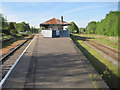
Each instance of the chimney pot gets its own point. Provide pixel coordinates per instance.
(61, 18)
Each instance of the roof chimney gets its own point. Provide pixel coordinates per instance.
(61, 18)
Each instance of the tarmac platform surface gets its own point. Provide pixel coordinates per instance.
(51, 63)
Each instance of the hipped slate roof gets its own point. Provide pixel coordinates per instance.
(54, 21)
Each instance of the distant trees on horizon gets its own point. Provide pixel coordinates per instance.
(11, 29)
(108, 26)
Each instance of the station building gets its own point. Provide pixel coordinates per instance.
(54, 28)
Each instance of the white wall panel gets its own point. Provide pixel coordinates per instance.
(46, 33)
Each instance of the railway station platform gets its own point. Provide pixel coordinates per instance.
(53, 63)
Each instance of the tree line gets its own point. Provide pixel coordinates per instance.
(14, 29)
(108, 26)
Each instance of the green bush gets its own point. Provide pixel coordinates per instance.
(73, 28)
(82, 30)
(13, 32)
(6, 31)
(23, 34)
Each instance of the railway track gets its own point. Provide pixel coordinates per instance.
(9, 59)
(113, 50)
(107, 50)
(109, 53)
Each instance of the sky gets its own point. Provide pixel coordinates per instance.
(35, 13)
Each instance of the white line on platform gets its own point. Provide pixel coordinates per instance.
(8, 73)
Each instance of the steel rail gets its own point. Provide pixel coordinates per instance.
(3, 59)
(10, 70)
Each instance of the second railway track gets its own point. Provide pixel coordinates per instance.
(108, 51)
(109, 54)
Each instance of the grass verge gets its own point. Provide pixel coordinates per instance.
(14, 39)
(106, 40)
(7, 43)
(108, 72)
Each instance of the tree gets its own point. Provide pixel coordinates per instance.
(27, 27)
(11, 26)
(91, 27)
(13, 32)
(82, 30)
(110, 24)
(3, 24)
(34, 30)
(18, 27)
(22, 27)
(12, 29)
(73, 28)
